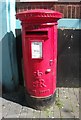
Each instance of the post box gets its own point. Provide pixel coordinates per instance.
(39, 45)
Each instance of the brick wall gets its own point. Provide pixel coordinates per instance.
(69, 10)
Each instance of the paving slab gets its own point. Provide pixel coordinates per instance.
(47, 113)
(76, 93)
(5, 107)
(44, 114)
(66, 106)
(56, 112)
(70, 102)
(14, 110)
(36, 113)
(0, 108)
(29, 113)
(74, 103)
(23, 112)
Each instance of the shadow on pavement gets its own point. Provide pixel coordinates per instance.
(18, 96)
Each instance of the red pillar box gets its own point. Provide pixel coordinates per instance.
(39, 43)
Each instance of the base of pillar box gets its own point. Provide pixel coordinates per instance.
(40, 103)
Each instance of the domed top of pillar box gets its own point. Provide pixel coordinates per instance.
(39, 16)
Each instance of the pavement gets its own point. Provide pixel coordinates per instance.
(66, 105)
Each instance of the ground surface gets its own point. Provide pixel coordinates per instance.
(66, 105)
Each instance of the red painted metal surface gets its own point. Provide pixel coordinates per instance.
(39, 16)
(39, 43)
